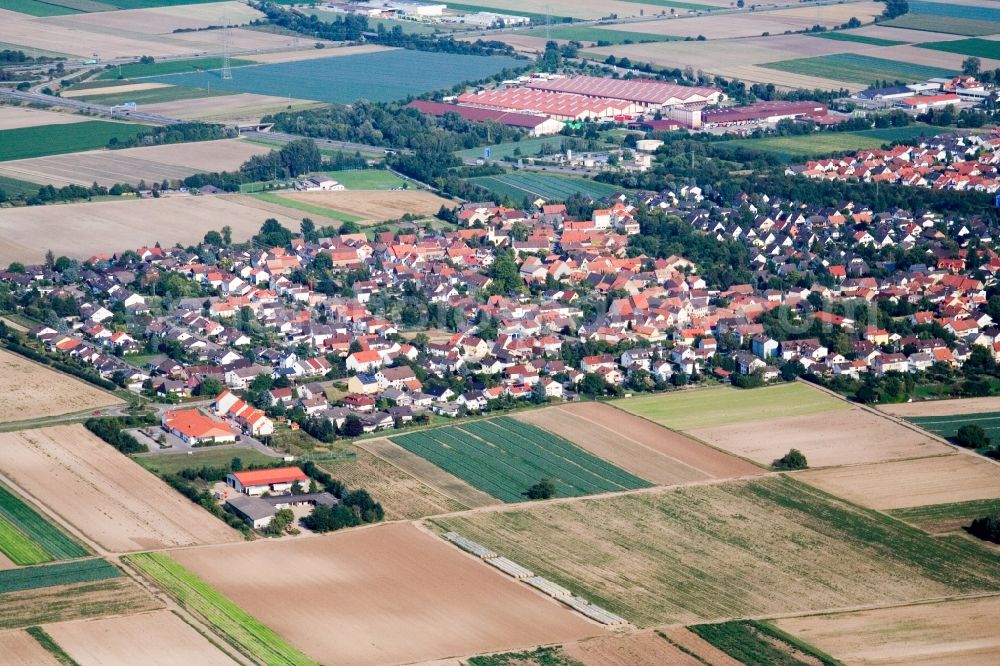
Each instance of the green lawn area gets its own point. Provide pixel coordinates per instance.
(596, 34)
(367, 179)
(981, 48)
(949, 25)
(171, 463)
(943, 518)
(821, 144)
(855, 68)
(308, 208)
(139, 70)
(24, 142)
(722, 405)
(860, 39)
(154, 95)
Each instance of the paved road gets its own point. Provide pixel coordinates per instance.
(78, 105)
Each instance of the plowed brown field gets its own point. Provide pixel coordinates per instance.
(383, 595)
(29, 390)
(18, 648)
(944, 407)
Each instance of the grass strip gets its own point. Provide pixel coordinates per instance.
(240, 629)
(50, 645)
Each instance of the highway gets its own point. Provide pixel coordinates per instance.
(77, 105)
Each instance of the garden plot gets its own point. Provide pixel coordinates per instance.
(85, 229)
(152, 639)
(412, 597)
(505, 457)
(102, 493)
(954, 632)
(31, 390)
(711, 552)
(15, 117)
(637, 445)
(910, 483)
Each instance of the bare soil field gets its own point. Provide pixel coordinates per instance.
(30, 391)
(20, 649)
(160, 20)
(374, 206)
(243, 108)
(854, 436)
(105, 495)
(957, 633)
(114, 89)
(694, 643)
(14, 117)
(944, 407)
(311, 53)
(430, 475)
(383, 595)
(85, 229)
(119, 596)
(637, 445)
(403, 496)
(5, 563)
(645, 648)
(152, 639)
(716, 551)
(907, 483)
(132, 165)
(904, 35)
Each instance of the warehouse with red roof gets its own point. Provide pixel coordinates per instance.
(646, 94)
(535, 125)
(279, 480)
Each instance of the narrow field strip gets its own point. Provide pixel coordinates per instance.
(18, 548)
(240, 628)
(38, 529)
(50, 575)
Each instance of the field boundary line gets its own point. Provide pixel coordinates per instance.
(410, 474)
(58, 518)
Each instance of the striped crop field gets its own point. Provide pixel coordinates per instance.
(517, 186)
(504, 458)
(951, 25)
(980, 48)
(980, 12)
(50, 575)
(855, 68)
(26, 537)
(947, 426)
(240, 629)
(858, 39)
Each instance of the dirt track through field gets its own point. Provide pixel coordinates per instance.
(637, 445)
(29, 390)
(909, 483)
(150, 639)
(109, 498)
(387, 594)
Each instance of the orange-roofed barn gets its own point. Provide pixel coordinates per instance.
(195, 428)
(279, 480)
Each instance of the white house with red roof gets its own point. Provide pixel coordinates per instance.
(276, 481)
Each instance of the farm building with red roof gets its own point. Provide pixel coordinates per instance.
(274, 481)
(195, 428)
(536, 125)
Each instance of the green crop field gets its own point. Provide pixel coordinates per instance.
(860, 39)
(504, 457)
(947, 426)
(517, 186)
(821, 144)
(13, 187)
(367, 179)
(50, 575)
(240, 628)
(855, 68)
(37, 7)
(136, 70)
(24, 142)
(687, 410)
(943, 518)
(24, 520)
(981, 48)
(761, 644)
(697, 554)
(148, 4)
(330, 213)
(18, 548)
(980, 12)
(378, 77)
(945, 24)
(153, 95)
(595, 34)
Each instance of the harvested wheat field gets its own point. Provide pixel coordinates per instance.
(715, 551)
(646, 648)
(152, 639)
(118, 596)
(944, 407)
(656, 454)
(908, 483)
(853, 436)
(106, 496)
(114, 89)
(432, 476)
(30, 391)
(383, 595)
(374, 206)
(956, 633)
(85, 229)
(403, 496)
(242, 108)
(160, 20)
(311, 53)
(15, 117)
(131, 165)
(19, 648)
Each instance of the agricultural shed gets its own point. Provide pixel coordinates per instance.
(258, 482)
(646, 94)
(195, 428)
(259, 511)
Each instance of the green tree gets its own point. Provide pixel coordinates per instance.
(544, 489)
(972, 436)
(794, 459)
(971, 66)
(272, 234)
(986, 528)
(505, 274)
(210, 387)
